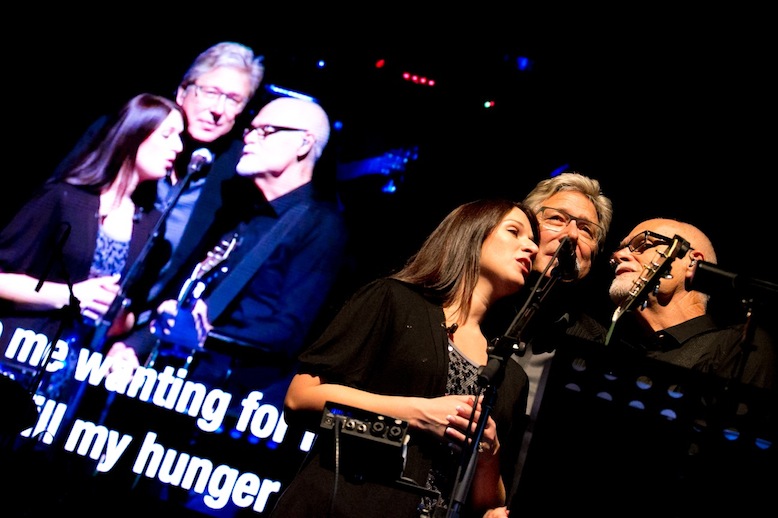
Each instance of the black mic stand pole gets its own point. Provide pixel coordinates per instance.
(491, 376)
(709, 278)
(104, 324)
(70, 313)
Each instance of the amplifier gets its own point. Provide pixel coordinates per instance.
(370, 445)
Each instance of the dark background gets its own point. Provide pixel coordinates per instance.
(672, 111)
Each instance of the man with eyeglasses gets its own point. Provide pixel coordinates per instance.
(214, 92)
(672, 322)
(568, 205)
(712, 458)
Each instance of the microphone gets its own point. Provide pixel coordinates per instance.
(201, 158)
(709, 278)
(566, 267)
(450, 329)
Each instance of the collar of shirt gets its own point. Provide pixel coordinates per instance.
(677, 335)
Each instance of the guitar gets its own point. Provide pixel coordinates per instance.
(394, 160)
(180, 331)
(649, 280)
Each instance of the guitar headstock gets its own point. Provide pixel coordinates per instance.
(395, 160)
(201, 274)
(392, 161)
(215, 257)
(649, 279)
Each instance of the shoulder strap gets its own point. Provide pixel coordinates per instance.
(229, 287)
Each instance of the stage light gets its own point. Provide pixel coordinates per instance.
(523, 63)
(419, 80)
(389, 187)
(285, 92)
(559, 170)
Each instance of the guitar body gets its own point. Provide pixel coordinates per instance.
(178, 331)
(178, 334)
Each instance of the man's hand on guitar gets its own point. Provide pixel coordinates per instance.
(179, 325)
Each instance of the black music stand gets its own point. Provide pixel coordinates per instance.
(622, 435)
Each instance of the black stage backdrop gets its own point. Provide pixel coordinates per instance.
(667, 109)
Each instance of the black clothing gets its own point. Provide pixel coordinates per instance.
(389, 339)
(226, 150)
(620, 433)
(255, 339)
(560, 313)
(701, 345)
(31, 241)
(35, 243)
(226, 155)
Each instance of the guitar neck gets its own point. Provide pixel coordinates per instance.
(205, 272)
(185, 299)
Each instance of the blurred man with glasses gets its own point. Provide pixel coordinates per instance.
(273, 253)
(214, 92)
(288, 250)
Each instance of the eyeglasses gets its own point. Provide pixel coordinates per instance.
(265, 130)
(214, 95)
(556, 220)
(645, 240)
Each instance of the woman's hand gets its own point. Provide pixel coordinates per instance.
(95, 295)
(457, 430)
(443, 416)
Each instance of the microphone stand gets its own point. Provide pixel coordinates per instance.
(121, 301)
(492, 374)
(69, 313)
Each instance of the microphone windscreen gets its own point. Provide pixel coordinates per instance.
(202, 155)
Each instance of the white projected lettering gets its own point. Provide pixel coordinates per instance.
(220, 484)
(156, 445)
(28, 346)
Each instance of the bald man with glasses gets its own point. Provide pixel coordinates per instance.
(284, 238)
(672, 323)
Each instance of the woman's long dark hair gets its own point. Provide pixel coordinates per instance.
(118, 143)
(449, 260)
